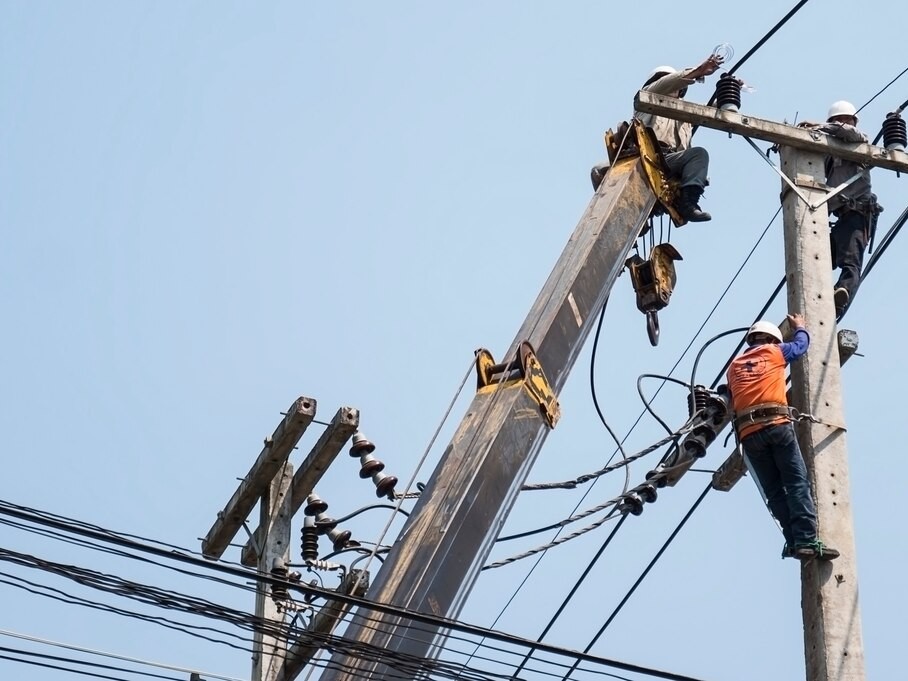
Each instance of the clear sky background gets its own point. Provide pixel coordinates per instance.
(209, 209)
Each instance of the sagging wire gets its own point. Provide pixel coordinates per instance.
(693, 372)
(673, 436)
(647, 403)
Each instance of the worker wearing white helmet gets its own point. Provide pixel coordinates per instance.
(689, 164)
(756, 381)
(855, 208)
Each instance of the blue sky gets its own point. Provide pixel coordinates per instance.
(209, 209)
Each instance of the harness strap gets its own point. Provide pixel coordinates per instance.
(761, 413)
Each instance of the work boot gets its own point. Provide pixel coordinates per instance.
(688, 208)
(815, 549)
(840, 297)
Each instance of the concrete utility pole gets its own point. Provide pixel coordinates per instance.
(833, 645)
(829, 590)
(271, 483)
(268, 651)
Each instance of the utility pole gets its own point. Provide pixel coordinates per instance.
(272, 484)
(829, 590)
(269, 651)
(833, 645)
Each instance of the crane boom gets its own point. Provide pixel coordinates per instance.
(441, 549)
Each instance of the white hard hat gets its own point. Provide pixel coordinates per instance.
(664, 70)
(768, 328)
(841, 108)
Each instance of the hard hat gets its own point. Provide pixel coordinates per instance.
(664, 70)
(768, 328)
(842, 108)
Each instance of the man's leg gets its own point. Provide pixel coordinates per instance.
(849, 236)
(597, 174)
(692, 167)
(759, 454)
(793, 473)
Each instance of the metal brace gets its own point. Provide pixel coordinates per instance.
(812, 207)
(255, 545)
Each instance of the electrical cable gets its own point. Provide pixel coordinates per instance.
(47, 665)
(693, 372)
(645, 572)
(885, 87)
(417, 617)
(357, 512)
(73, 660)
(646, 403)
(573, 591)
(114, 656)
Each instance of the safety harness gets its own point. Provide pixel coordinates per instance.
(869, 207)
(761, 413)
(770, 411)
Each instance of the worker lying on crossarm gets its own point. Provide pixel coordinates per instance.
(756, 380)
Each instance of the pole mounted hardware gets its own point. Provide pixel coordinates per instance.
(526, 368)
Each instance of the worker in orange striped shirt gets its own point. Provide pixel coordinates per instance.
(756, 380)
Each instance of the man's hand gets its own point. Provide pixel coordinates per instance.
(708, 67)
(809, 124)
(796, 320)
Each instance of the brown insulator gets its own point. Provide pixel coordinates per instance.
(324, 524)
(361, 445)
(384, 485)
(341, 539)
(315, 505)
(370, 466)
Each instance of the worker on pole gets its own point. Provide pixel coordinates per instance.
(855, 208)
(762, 421)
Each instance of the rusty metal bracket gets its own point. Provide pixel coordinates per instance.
(525, 368)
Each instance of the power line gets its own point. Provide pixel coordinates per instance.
(649, 567)
(334, 642)
(114, 656)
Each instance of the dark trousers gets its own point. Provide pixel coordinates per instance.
(690, 165)
(849, 240)
(776, 461)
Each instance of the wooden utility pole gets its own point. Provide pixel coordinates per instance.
(829, 590)
(833, 645)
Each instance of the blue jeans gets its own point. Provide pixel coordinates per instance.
(776, 461)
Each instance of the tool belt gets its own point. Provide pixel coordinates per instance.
(865, 205)
(761, 413)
